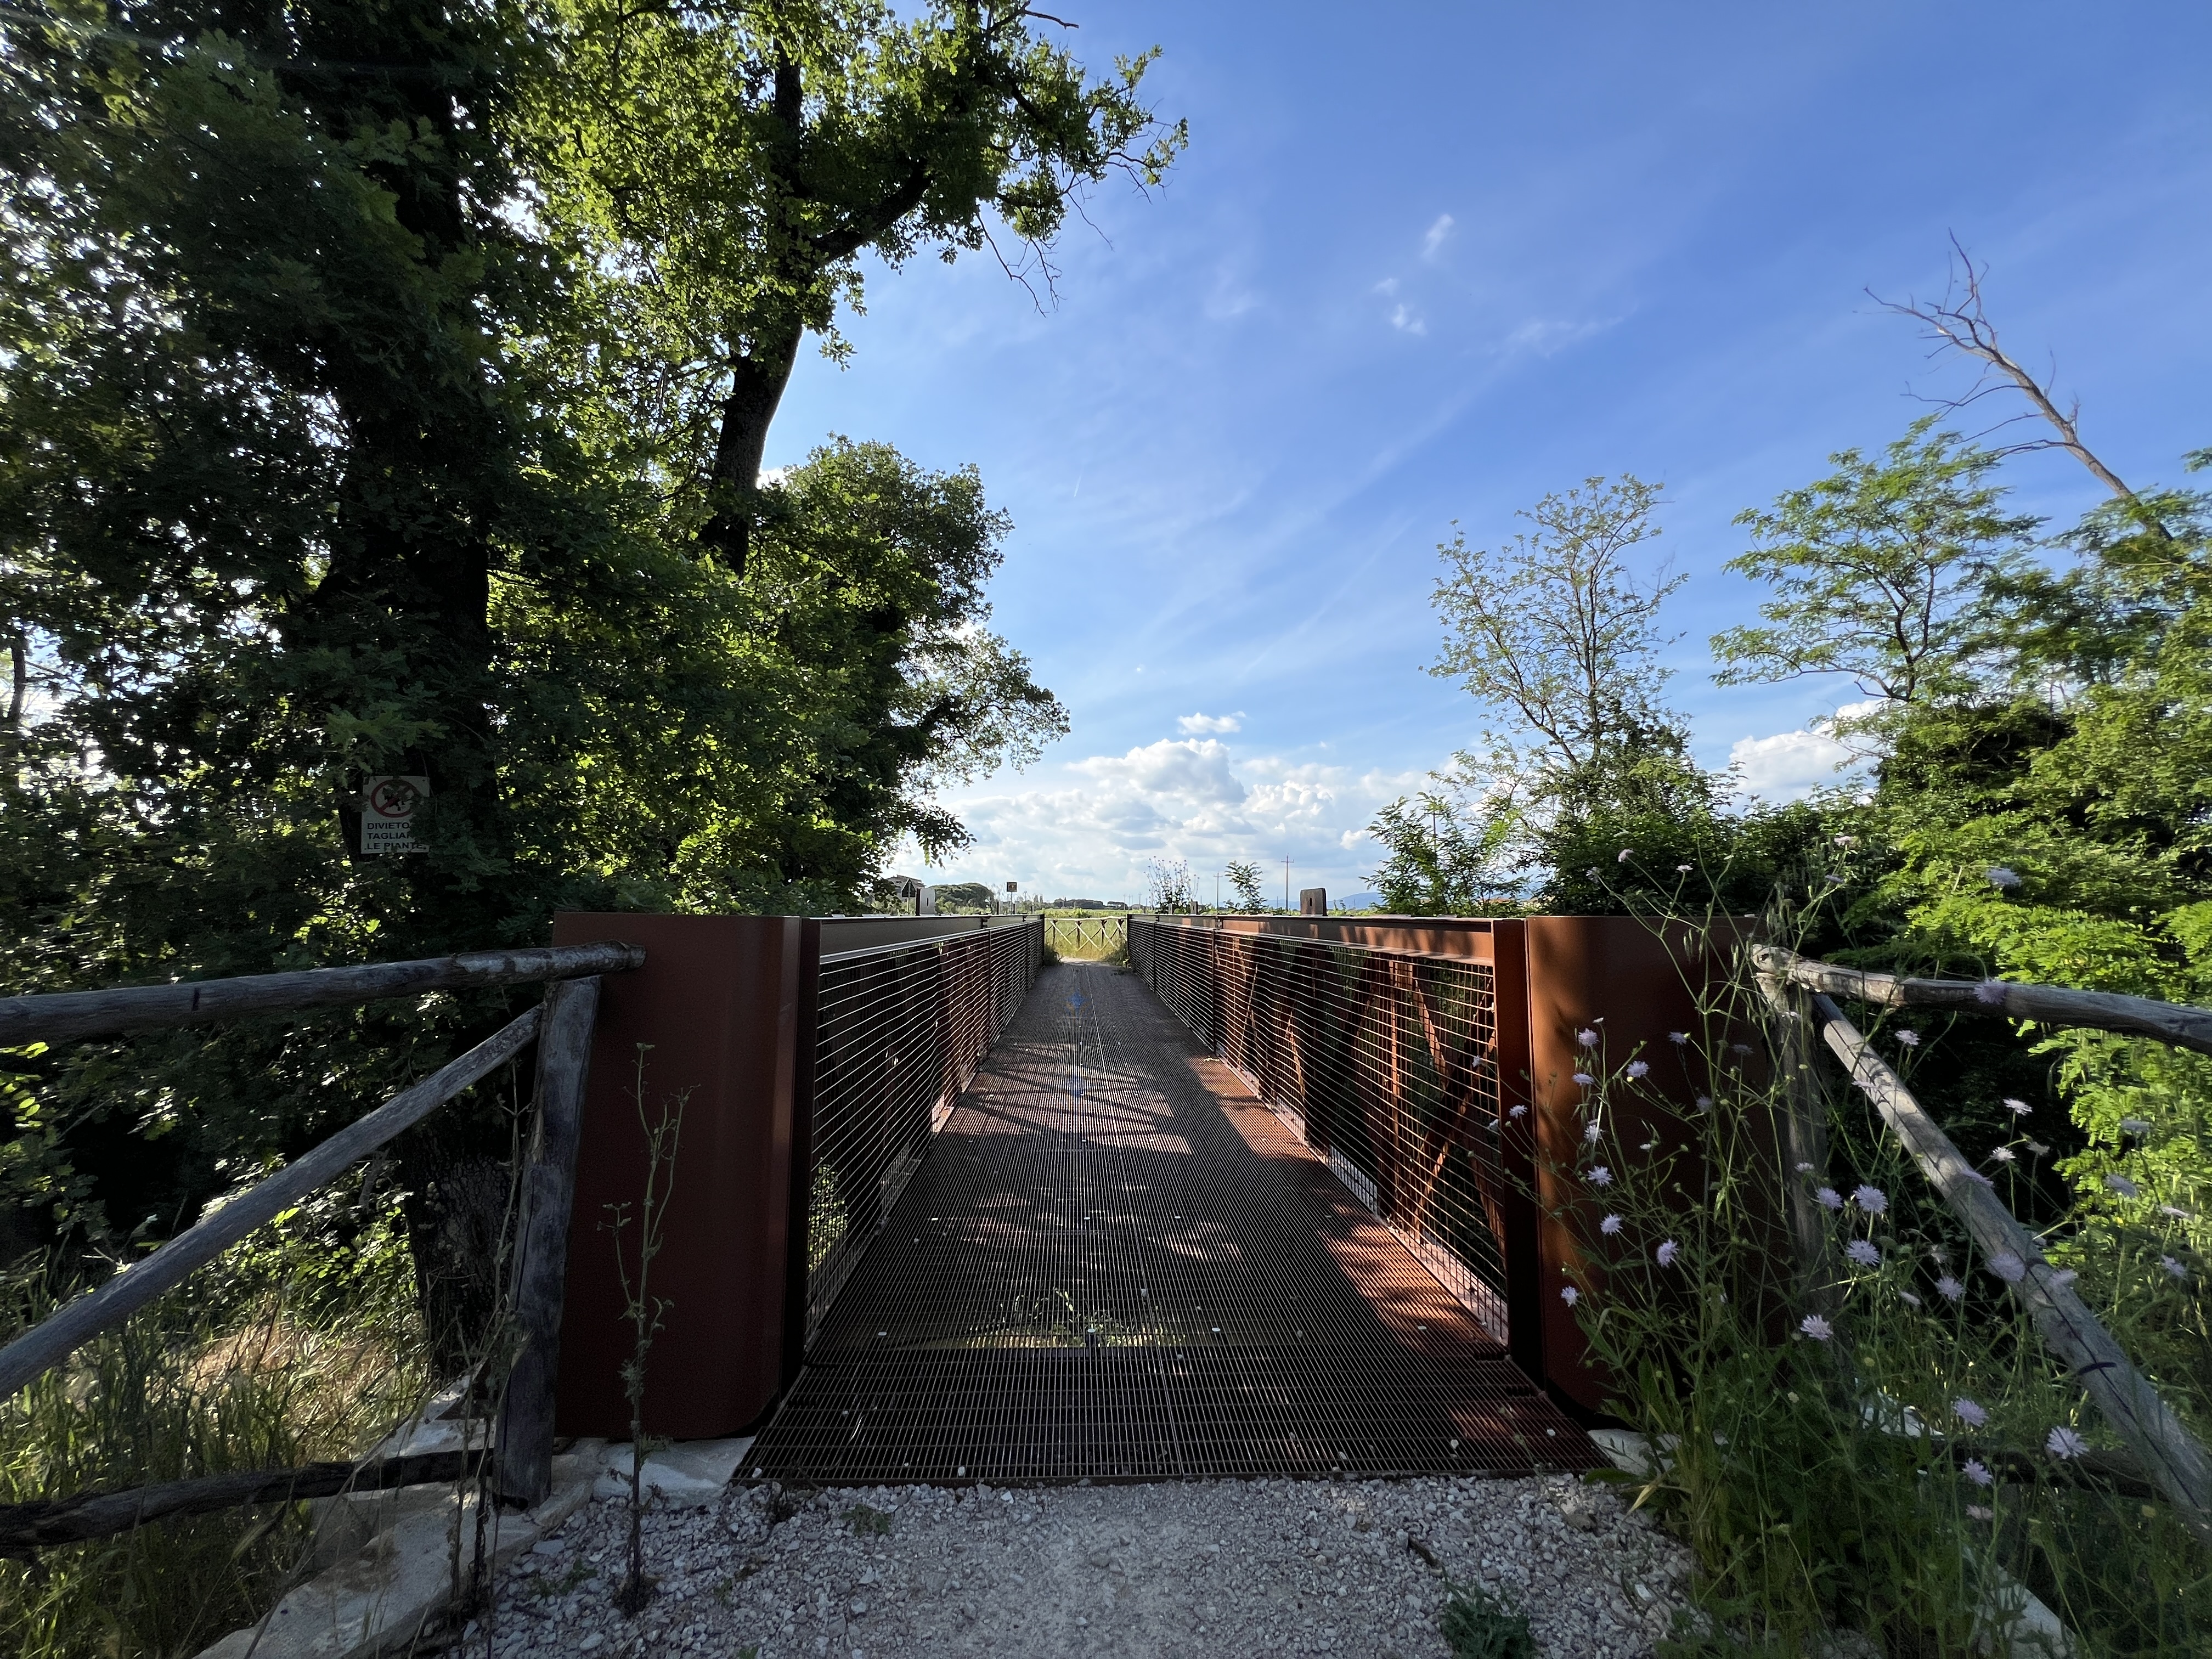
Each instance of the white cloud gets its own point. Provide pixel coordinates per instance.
(1203, 725)
(1405, 317)
(1089, 831)
(1437, 233)
(1788, 765)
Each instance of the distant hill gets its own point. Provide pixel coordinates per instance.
(1358, 901)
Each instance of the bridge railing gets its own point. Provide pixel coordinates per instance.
(900, 1030)
(1381, 1053)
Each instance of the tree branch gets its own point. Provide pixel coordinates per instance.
(1960, 320)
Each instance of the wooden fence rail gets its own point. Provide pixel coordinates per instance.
(63, 1015)
(2170, 1454)
(561, 1026)
(2047, 1004)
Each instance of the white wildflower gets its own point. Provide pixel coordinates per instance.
(1829, 1198)
(2063, 1442)
(2007, 1266)
(1816, 1328)
(1970, 1413)
(1950, 1288)
(2120, 1184)
(1610, 1225)
(1870, 1200)
(1667, 1252)
(1864, 1252)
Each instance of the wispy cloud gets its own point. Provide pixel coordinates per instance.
(1198, 725)
(1405, 317)
(1438, 233)
(1545, 335)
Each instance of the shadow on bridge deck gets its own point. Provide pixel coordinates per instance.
(1115, 1263)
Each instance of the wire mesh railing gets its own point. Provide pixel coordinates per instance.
(1383, 1061)
(899, 1031)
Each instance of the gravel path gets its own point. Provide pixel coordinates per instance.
(1264, 1568)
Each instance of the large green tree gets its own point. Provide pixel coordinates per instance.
(338, 439)
(723, 168)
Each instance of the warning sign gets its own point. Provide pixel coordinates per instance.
(387, 813)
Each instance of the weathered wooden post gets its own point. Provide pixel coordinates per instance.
(541, 1257)
(1801, 1133)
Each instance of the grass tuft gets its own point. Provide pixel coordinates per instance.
(1479, 1623)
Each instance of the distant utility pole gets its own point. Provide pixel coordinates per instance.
(1217, 890)
(1286, 884)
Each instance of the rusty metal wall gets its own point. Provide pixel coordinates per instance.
(1385, 1060)
(706, 1032)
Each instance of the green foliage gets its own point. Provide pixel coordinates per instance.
(964, 895)
(1646, 828)
(1882, 572)
(321, 460)
(1244, 882)
(1479, 1623)
(300, 1344)
(1553, 636)
(1169, 885)
(867, 1522)
(1809, 1440)
(1447, 855)
(721, 170)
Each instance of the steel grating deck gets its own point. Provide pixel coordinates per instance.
(1115, 1264)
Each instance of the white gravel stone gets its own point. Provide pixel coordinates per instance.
(1274, 1568)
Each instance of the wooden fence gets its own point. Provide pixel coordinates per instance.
(1801, 991)
(561, 1026)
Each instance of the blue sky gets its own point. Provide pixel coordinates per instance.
(1426, 262)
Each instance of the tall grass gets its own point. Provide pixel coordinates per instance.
(301, 1343)
(1875, 1440)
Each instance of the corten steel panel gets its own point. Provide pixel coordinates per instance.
(1466, 937)
(1620, 976)
(719, 1001)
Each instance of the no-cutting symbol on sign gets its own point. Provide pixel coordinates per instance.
(387, 813)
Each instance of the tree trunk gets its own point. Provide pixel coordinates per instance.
(756, 384)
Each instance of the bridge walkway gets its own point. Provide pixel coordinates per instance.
(1116, 1264)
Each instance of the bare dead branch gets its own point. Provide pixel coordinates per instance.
(1960, 322)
